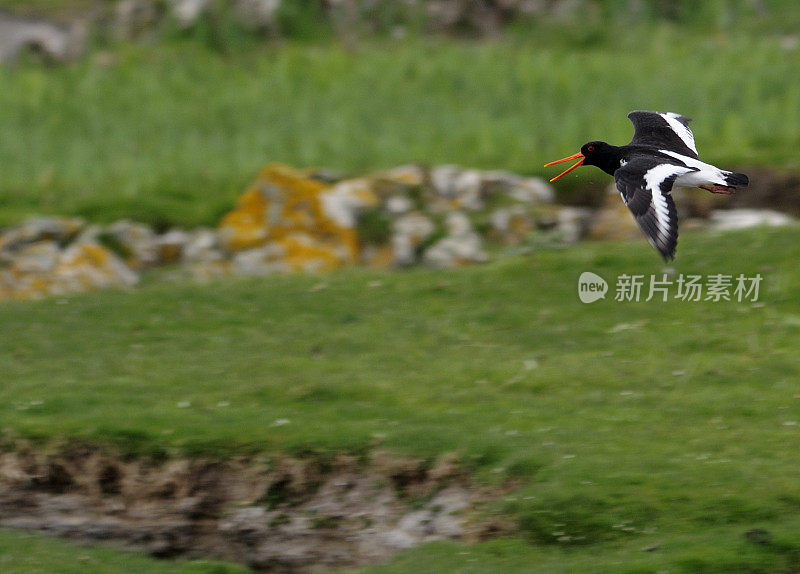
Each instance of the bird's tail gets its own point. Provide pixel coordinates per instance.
(736, 179)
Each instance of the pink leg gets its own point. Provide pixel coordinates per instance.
(723, 189)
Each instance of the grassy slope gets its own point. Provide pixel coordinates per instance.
(22, 553)
(629, 425)
(173, 133)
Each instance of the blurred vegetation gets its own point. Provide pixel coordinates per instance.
(315, 19)
(170, 134)
(169, 129)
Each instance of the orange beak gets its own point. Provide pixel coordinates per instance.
(569, 169)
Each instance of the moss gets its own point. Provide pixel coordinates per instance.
(374, 227)
(112, 242)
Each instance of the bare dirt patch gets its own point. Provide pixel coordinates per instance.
(288, 515)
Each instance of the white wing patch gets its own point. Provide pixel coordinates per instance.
(702, 173)
(681, 130)
(653, 178)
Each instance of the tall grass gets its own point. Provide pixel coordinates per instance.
(172, 134)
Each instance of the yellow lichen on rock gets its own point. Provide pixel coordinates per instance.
(245, 226)
(311, 219)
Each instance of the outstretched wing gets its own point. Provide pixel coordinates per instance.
(645, 184)
(667, 131)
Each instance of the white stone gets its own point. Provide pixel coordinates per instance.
(346, 200)
(745, 218)
(399, 204)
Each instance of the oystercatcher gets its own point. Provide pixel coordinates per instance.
(661, 155)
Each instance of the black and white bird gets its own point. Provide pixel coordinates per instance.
(661, 155)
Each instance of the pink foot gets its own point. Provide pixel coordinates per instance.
(723, 189)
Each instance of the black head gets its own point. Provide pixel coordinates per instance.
(600, 154)
(597, 153)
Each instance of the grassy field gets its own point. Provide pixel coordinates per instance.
(672, 426)
(172, 133)
(22, 553)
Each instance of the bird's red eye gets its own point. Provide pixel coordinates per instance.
(590, 148)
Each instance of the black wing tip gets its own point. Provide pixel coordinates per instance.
(667, 256)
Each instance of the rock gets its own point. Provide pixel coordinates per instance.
(202, 245)
(188, 12)
(58, 229)
(613, 220)
(405, 175)
(533, 190)
(745, 218)
(346, 200)
(246, 226)
(266, 260)
(529, 190)
(462, 245)
(460, 188)
(138, 242)
(304, 252)
(56, 43)
(170, 246)
(511, 225)
(133, 18)
(409, 232)
(312, 220)
(36, 258)
(258, 14)
(398, 205)
(573, 223)
(88, 265)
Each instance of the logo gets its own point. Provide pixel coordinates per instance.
(591, 287)
(713, 287)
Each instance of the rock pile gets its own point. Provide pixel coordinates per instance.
(288, 515)
(53, 42)
(51, 256)
(292, 220)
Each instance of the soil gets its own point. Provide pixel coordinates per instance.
(288, 515)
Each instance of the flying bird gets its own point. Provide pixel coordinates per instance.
(661, 155)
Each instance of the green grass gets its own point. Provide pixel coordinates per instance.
(22, 553)
(172, 133)
(627, 425)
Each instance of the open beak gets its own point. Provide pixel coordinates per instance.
(569, 169)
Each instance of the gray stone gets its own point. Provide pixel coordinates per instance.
(56, 43)
(170, 245)
(398, 205)
(461, 188)
(137, 239)
(346, 200)
(745, 218)
(461, 246)
(187, 12)
(33, 229)
(201, 246)
(133, 18)
(258, 14)
(39, 257)
(533, 190)
(572, 224)
(409, 232)
(265, 260)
